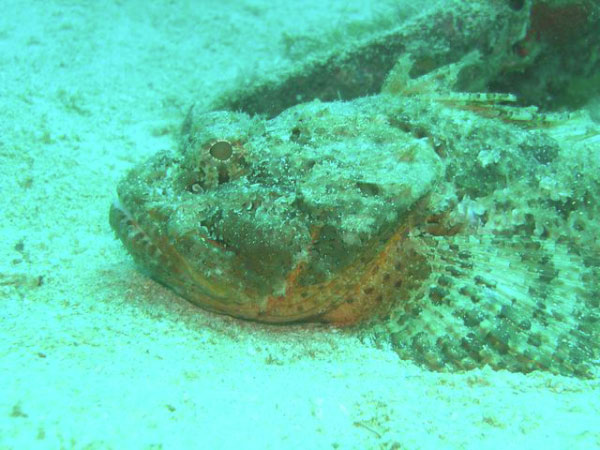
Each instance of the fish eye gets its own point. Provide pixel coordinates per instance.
(221, 150)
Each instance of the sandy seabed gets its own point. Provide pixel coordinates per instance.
(95, 355)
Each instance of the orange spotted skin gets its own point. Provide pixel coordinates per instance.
(414, 215)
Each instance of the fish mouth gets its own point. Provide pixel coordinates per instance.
(222, 292)
(156, 256)
(348, 297)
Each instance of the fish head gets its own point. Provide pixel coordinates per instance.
(296, 218)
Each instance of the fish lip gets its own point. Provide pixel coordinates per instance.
(137, 239)
(161, 262)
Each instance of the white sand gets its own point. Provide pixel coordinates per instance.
(99, 356)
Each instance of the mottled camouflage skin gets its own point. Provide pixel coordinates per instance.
(458, 228)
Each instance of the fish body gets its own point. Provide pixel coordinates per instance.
(417, 213)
